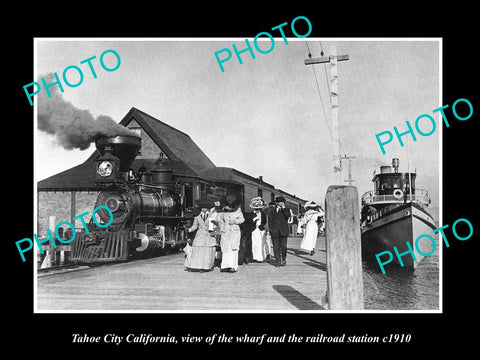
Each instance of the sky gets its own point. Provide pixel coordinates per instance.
(263, 117)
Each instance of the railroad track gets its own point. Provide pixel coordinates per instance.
(58, 269)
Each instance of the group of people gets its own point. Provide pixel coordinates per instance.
(244, 237)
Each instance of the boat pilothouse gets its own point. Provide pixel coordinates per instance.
(394, 213)
(391, 189)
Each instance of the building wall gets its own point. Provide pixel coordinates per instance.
(293, 206)
(84, 202)
(64, 205)
(268, 196)
(149, 149)
(51, 203)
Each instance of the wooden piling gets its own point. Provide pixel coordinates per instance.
(343, 247)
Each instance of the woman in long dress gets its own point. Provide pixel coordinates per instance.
(202, 256)
(259, 245)
(214, 229)
(231, 217)
(309, 223)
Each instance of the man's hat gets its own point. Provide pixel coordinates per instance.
(280, 199)
(204, 203)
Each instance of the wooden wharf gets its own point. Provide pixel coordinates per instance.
(162, 284)
(331, 278)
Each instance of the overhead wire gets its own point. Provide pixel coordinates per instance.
(325, 70)
(320, 94)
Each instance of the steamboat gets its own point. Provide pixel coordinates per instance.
(394, 214)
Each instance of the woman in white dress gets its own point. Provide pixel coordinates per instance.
(259, 245)
(231, 217)
(309, 224)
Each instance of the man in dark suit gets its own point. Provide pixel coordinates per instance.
(245, 254)
(278, 216)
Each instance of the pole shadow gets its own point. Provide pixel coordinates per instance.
(316, 265)
(296, 298)
(311, 262)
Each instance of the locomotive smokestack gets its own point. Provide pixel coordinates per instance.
(124, 147)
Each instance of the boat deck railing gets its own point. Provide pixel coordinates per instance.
(420, 196)
(381, 213)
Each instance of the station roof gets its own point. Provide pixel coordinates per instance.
(80, 177)
(230, 175)
(177, 145)
(185, 157)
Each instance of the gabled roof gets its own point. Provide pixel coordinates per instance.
(185, 157)
(80, 178)
(177, 145)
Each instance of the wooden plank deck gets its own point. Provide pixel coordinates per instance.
(162, 284)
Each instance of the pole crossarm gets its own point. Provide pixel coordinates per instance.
(325, 59)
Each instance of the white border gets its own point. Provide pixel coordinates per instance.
(440, 217)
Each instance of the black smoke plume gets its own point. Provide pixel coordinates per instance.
(73, 128)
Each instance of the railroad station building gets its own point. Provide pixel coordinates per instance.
(67, 194)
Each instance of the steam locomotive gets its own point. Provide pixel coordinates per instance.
(146, 216)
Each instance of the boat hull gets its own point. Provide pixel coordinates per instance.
(405, 223)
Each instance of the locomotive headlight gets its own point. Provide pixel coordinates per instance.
(105, 168)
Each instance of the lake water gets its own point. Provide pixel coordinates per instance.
(401, 288)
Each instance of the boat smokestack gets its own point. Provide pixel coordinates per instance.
(395, 164)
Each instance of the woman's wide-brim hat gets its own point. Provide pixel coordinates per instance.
(310, 205)
(257, 203)
(204, 203)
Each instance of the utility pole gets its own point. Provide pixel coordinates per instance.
(332, 59)
(349, 158)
